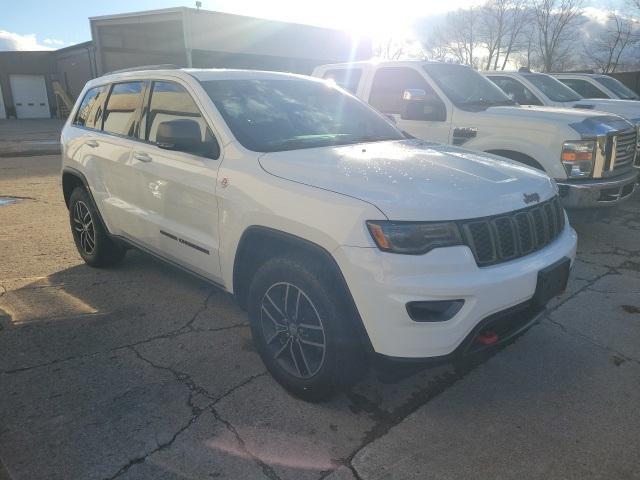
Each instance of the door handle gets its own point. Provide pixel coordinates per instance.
(141, 156)
(91, 143)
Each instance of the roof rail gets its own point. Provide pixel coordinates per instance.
(164, 66)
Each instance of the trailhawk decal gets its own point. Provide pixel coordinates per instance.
(184, 242)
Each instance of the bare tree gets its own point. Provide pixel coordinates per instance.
(519, 16)
(605, 51)
(457, 37)
(492, 25)
(434, 47)
(501, 26)
(556, 22)
(389, 49)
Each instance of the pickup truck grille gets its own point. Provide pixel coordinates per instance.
(513, 235)
(625, 150)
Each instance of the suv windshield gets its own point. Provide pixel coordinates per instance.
(465, 87)
(554, 89)
(271, 115)
(617, 87)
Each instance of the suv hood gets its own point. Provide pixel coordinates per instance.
(629, 109)
(413, 179)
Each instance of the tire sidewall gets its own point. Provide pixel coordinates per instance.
(291, 271)
(79, 195)
(106, 252)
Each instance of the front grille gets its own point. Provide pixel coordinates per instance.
(513, 235)
(625, 149)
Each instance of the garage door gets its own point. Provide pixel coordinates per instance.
(29, 96)
(3, 113)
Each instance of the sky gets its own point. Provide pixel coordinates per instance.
(43, 25)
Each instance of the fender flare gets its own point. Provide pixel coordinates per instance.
(316, 251)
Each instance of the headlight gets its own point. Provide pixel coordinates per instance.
(578, 157)
(413, 238)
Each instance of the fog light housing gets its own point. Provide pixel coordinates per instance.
(434, 311)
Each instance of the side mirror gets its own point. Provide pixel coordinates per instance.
(414, 95)
(420, 106)
(184, 135)
(181, 134)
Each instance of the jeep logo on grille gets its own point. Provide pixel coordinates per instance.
(531, 197)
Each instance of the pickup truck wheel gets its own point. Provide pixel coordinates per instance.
(301, 329)
(93, 243)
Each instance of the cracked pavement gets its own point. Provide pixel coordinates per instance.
(142, 372)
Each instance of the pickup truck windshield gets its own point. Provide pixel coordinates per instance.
(271, 115)
(554, 89)
(465, 87)
(617, 87)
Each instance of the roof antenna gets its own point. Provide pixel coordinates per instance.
(198, 4)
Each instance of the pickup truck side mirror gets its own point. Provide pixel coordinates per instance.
(184, 135)
(417, 105)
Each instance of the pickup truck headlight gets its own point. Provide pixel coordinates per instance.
(578, 158)
(413, 238)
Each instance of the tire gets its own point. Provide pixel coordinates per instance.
(92, 241)
(289, 343)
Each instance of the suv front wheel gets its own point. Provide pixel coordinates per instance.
(301, 328)
(93, 243)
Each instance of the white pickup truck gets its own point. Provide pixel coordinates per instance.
(587, 153)
(528, 88)
(593, 85)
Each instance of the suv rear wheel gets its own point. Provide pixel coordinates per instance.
(302, 330)
(93, 243)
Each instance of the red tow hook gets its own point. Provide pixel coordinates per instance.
(488, 337)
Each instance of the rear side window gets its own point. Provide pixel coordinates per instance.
(584, 88)
(123, 105)
(515, 90)
(389, 85)
(347, 78)
(90, 111)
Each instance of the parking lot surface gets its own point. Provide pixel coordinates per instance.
(144, 372)
(36, 136)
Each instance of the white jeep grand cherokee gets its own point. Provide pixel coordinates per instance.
(338, 235)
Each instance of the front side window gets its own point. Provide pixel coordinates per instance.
(347, 78)
(584, 88)
(172, 107)
(465, 87)
(555, 90)
(269, 115)
(90, 111)
(617, 87)
(515, 90)
(121, 113)
(389, 85)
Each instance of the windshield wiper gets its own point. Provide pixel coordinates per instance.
(371, 138)
(487, 103)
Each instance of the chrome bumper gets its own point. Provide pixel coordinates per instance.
(601, 192)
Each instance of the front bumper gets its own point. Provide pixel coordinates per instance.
(603, 192)
(383, 283)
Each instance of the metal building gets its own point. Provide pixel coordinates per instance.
(44, 84)
(199, 38)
